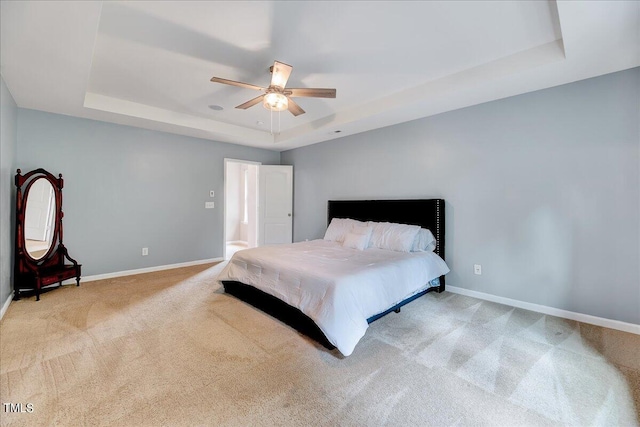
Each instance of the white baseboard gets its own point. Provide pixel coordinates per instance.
(571, 315)
(5, 306)
(580, 317)
(237, 242)
(141, 271)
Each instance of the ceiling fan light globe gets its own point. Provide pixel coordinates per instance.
(275, 102)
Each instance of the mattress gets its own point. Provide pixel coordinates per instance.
(338, 288)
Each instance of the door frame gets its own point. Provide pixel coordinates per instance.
(224, 200)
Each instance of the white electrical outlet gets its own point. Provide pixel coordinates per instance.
(209, 205)
(212, 193)
(477, 269)
(145, 251)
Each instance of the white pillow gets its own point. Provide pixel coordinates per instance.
(356, 241)
(424, 241)
(339, 228)
(362, 229)
(393, 237)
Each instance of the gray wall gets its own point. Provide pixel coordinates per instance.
(128, 188)
(542, 189)
(8, 142)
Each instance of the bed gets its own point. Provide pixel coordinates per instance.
(331, 292)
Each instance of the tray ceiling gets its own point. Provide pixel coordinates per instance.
(148, 64)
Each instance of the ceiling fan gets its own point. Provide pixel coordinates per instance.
(276, 96)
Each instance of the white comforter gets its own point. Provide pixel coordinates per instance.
(337, 287)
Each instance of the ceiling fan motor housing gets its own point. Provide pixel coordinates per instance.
(276, 97)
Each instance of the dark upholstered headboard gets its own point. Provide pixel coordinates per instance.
(427, 213)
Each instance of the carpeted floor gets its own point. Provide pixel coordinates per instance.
(170, 348)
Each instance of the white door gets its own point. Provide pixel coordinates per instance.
(39, 209)
(275, 205)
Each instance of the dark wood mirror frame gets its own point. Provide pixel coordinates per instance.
(33, 274)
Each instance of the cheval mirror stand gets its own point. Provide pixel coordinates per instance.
(40, 253)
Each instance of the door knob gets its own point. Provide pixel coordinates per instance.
(288, 214)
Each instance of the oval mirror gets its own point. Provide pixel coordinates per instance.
(39, 221)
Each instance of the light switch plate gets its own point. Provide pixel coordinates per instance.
(477, 269)
(209, 205)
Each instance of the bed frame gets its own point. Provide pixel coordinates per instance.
(427, 213)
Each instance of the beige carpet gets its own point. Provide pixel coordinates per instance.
(170, 348)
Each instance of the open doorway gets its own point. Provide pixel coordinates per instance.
(240, 206)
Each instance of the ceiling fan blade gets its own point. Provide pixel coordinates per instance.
(280, 74)
(251, 102)
(234, 83)
(312, 92)
(295, 108)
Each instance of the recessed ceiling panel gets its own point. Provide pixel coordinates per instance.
(149, 64)
(162, 54)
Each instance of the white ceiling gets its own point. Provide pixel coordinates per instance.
(148, 64)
